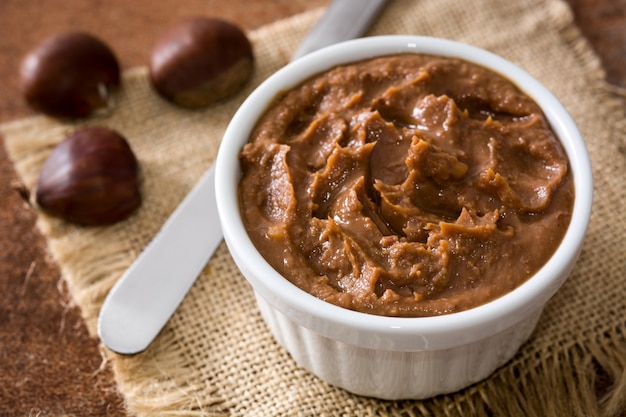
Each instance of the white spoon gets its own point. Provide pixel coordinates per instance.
(146, 296)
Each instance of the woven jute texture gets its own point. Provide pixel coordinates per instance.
(216, 356)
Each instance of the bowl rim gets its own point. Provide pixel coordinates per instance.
(399, 333)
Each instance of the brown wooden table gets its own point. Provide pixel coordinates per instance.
(49, 365)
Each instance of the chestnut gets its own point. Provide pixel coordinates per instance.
(90, 178)
(69, 75)
(199, 61)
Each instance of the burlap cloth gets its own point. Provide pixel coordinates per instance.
(216, 355)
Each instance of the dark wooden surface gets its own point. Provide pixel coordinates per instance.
(49, 365)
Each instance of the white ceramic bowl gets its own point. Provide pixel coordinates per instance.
(389, 357)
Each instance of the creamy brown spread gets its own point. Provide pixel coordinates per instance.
(406, 185)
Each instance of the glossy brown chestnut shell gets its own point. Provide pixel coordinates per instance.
(90, 178)
(201, 60)
(69, 75)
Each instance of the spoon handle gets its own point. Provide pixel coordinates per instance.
(343, 20)
(146, 296)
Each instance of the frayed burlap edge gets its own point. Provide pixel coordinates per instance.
(154, 382)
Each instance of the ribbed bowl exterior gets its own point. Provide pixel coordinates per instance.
(394, 375)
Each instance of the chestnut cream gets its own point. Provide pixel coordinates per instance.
(407, 185)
